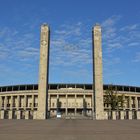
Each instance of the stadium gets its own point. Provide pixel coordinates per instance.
(67, 101)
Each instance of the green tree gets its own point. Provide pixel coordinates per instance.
(112, 98)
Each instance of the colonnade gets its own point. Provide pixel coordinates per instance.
(24, 106)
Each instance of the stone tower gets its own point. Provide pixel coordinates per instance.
(43, 73)
(97, 73)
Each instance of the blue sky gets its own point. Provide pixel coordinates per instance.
(71, 24)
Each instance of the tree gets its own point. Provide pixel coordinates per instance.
(112, 98)
(58, 105)
(84, 107)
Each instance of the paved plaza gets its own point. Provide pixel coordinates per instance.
(69, 130)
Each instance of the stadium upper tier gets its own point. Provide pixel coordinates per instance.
(124, 88)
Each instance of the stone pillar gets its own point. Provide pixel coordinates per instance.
(35, 115)
(2, 114)
(25, 101)
(123, 105)
(11, 105)
(130, 102)
(57, 104)
(136, 103)
(43, 73)
(138, 115)
(18, 100)
(18, 114)
(49, 103)
(66, 105)
(122, 115)
(0, 102)
(75, 109)
(97, 73)
(130, 115)
(10, 114)
(106, 115)
(5, 103)
(113, 115)
(33, 102)
(26, 114)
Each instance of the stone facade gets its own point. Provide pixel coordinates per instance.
(75, 101)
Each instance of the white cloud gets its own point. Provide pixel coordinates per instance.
(134, 44)
(28, 53)
(129, 27)
(113, 61)
(69, 47)
(118, 40)
(67, 30)
(137, 57)
(14, 44)
(108, 27)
